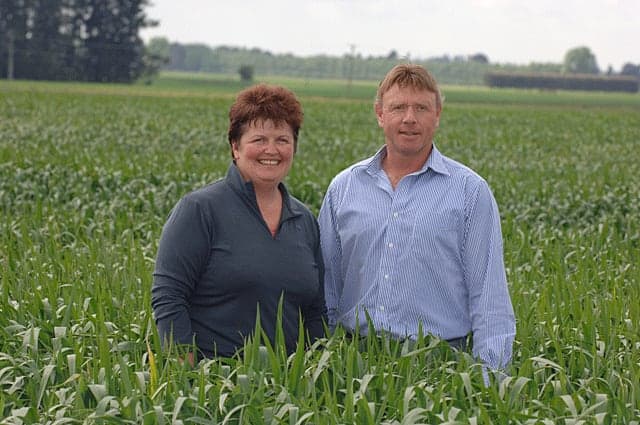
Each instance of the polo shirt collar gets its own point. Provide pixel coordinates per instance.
(247, 192)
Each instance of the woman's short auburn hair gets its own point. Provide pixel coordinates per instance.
(264, 102)
(409, 75)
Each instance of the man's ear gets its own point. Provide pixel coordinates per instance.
(377, 107)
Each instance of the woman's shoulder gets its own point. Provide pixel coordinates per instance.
(204, 199)
(212, 191)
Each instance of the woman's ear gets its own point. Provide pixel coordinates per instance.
(234, 150)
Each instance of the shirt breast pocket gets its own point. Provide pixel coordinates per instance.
(436, 235)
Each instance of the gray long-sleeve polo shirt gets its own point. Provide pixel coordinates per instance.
(217, 262)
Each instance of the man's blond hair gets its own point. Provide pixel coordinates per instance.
(409, 75)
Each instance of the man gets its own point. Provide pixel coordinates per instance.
(412, 237)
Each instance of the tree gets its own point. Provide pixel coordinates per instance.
(10, 19)
(30, 28)
(114, 50)
(177, 56)
(479, 58)
(195, 56)
(580, 60)
(157, 54)
(159, 46)
(630, 69)
(92, 40)
(246, 73)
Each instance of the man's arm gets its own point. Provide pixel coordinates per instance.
(490, 306)
(332, 256)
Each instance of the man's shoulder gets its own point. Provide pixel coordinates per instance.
(465, 178)
(459, 170)
(351, 171)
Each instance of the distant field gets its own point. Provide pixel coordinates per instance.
(170, 83)
(365, 90)
(88, 174)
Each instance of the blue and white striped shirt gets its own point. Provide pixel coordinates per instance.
(428, 252)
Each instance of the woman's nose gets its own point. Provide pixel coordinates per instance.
(271, 146)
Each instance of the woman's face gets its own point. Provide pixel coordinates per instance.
(264, 152)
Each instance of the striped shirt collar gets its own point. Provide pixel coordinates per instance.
(435, 162)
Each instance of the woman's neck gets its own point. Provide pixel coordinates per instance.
(270, 206)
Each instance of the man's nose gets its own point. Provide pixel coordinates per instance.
(409, 115)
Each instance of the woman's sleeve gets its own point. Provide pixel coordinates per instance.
(183, 253)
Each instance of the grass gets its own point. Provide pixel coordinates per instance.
(88, 174)
(191, 84)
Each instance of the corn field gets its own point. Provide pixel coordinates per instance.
(89, 173)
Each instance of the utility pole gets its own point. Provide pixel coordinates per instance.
(352, 58)
(10, 55)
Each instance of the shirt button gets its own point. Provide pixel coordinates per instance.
(386, 276)
(390, 244)
(395, 214)
(381, 308)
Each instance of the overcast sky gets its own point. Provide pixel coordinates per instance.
(507, 31)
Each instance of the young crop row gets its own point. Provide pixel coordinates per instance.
(87, 180)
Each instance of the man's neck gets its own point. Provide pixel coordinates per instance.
(397, 166)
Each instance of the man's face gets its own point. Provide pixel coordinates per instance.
(409, 119)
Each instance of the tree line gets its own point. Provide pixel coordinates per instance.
(466, 70)
(79, 40)
(459, 69)
(580, 71)
(582, 82)
(98, 40)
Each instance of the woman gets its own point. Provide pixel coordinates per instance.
(241, 244)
